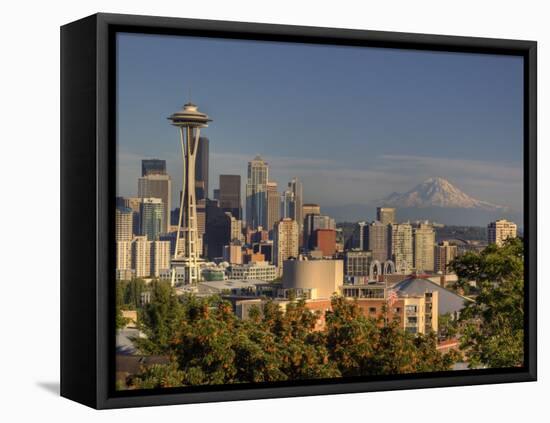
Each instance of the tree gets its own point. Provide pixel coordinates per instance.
(158, 376)
(159, 320)
(492, 326)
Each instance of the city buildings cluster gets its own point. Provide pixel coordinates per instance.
(282, 247)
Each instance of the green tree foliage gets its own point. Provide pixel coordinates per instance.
(159, 376)
(159, 319)
(492, 326)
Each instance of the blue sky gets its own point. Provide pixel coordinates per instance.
(355, 124)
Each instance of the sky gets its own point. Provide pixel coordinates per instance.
(353, 123)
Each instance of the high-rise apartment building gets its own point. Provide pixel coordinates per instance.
(152, 215)
(235, 228)
(402, 247)
(444, 254)
(153, 167)
(273, 205)
(285, 241)
(230, 195)
(202, 169)
(124, 255)
(500, 230)
(123, 224)
(256, 193)
(157, 186)
(385, 215)
(141, 256)
(423, 247)
(160, 257)
(377, 240)
(133, 203)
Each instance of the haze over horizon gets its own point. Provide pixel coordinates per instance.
(354, 124)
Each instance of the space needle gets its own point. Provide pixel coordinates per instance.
(189, 121)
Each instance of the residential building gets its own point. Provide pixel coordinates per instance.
(123, 224)
(402, 246)
(160, 257)
(285, 241)
(141, 256)
(444, 254)
(500, 230)
(423, 247)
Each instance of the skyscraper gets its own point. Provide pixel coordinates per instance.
(256, 193)
(157, 186)
(402, 247)
(295, 186)
(500, 230)
(152, 218)
(202, 168)
(423, 250)
(377, 240)
(123, 224)
(385, 215)
(230, 195)
(153, 167)
(444, 254)
(285, 241)
(273, 205)
(218, 230)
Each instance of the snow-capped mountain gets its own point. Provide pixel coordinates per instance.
(438, 192)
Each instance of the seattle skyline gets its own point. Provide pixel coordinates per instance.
(280, 100)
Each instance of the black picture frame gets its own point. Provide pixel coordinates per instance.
(87, 194)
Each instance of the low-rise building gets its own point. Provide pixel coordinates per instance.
(260, 270)
(325, 276)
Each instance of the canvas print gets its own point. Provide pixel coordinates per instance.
(292, 212)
